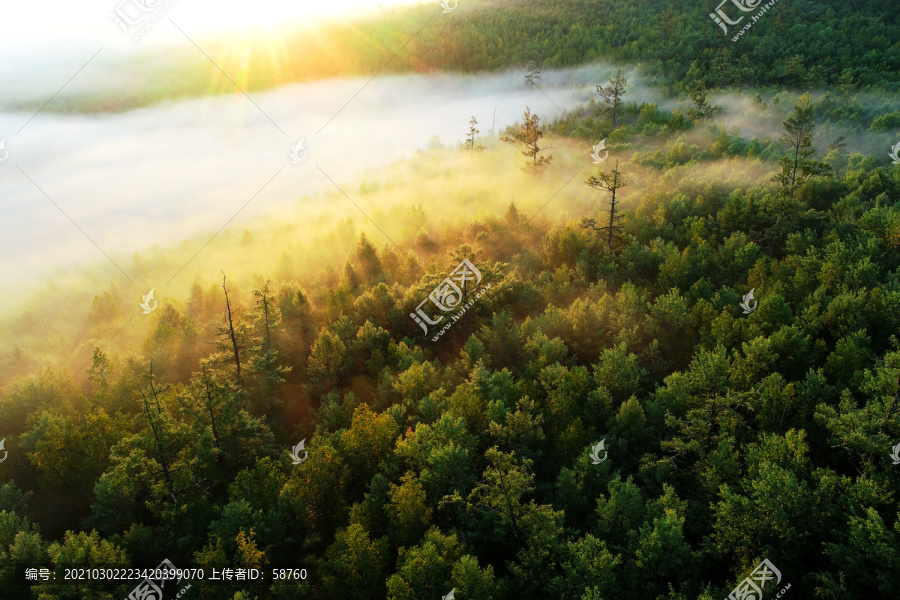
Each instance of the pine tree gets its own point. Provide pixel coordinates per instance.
(701, 108)
(612, 96)
(528, 135)
(532, 74)
(268, 315)
(265, 360)
(797, 167)
(610, 182)
(470, 136)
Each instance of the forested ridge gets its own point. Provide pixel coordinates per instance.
(806, 43)
(731, 435)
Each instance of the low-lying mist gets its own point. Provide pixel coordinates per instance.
(161, 174)
(182, 192)
(415, 209)
(755, 119)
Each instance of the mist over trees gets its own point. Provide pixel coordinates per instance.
(611, 97)
(732, 434)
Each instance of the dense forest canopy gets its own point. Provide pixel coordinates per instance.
(805, 43)
(674, 355)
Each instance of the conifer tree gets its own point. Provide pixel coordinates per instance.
(532, 74)
(609, 182)
(265, 360)
(612, 96)
(528, 136)
(701, 108)
(797, 167)
(471, 146)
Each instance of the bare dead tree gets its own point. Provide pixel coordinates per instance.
(229, 318)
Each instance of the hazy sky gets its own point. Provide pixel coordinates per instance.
(25, 22)
(76, 186)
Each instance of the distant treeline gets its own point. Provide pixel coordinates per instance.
(797, 44)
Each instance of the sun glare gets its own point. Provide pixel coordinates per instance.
(271, 13)
(35, 22)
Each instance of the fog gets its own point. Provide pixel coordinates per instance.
(156, 175)
(760, 121)
(94, 189)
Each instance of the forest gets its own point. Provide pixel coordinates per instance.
(665, 365)
(807, 43)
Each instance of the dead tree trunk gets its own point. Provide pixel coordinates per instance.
(231, 334)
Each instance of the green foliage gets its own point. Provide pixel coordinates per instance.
(797, 167)
(886, 122)
(844, 47)
(527, 135)
(464, 463)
